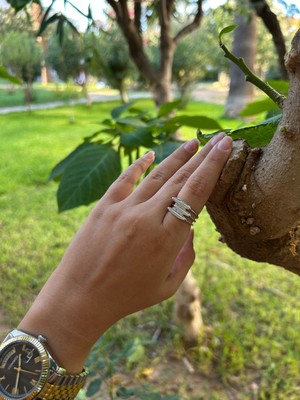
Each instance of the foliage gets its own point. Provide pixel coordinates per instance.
(67, 58)
(110, 59)
(7, 76)
(87, 172)
(21, 55)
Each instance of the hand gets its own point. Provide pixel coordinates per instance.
(16, 388)
(130, 253)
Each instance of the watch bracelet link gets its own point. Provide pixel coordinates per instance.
(62, 387)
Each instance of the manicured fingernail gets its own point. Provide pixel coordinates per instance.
(149, 156)
(225, 144)
(192, 145)
(217, 138)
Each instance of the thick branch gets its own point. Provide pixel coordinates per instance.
(192, 26)
(271, 22)
(134, 40)
(166, 42)
(256, 205)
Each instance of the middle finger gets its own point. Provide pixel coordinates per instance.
(177, 166)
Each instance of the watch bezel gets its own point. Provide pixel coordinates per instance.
(44, 360)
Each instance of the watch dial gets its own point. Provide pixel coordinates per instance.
(20, 370)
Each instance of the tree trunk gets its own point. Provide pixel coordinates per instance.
(271, 22)
(256, 204)
(123, 92)
(244, 46)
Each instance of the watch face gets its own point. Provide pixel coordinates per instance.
(22, 369)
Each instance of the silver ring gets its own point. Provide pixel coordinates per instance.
(183, 211)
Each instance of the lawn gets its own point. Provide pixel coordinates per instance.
(250, 348)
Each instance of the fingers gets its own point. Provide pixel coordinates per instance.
(183, 263)
(163, 173)
(199, 186)
(124, 185)
(160, 175)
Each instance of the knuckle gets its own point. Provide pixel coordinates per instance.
(157, 175)
(198, 185)
(181, 177)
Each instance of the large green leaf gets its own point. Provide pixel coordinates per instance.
(87, 177)
(6, 75)
(257, 107)
(166, 108)
(197, 121)
(18, 4)
(59, 168)
(164, 150)
(138, 137)
(118, 111)
(259, 135)
(280, 85)
(131, 121)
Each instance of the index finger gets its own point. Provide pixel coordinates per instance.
(201, 183)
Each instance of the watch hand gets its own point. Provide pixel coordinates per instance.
(25, 370)
(18, 374)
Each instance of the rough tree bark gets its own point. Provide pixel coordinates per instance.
(241, 92)
(271, 22)
(256, 204)
(159, 80)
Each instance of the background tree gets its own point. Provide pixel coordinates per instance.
(21, 55)
(110, 59)
(244, 45)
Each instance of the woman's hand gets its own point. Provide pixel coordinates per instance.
(130, 253)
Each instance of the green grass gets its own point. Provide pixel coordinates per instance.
(251, 344)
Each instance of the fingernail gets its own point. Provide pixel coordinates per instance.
(149, 156)
(192, 145)
(217, 138)
(225, 144)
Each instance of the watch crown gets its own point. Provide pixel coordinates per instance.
(42, 339)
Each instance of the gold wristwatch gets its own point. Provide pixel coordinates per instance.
(28, 371)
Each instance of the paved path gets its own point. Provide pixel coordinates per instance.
(201, 93)
(95, 98)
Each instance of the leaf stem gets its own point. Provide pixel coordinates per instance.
(277, 97)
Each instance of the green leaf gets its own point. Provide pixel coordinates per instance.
(94, 387)
(124, 393)
(118, 111)
(87, 177)
(6, 75)
(227, 29)
(259, 135)
(59, 169)
(258, 107)
(18, 4)
(166, 108)
(197, 121)
(280, 85)
(131, 121)
(136, 353)
(138, 137)
(164, 150)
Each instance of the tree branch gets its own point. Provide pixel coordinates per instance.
(272, 24)
(254, 79)
(138, 15)
(192, 26)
